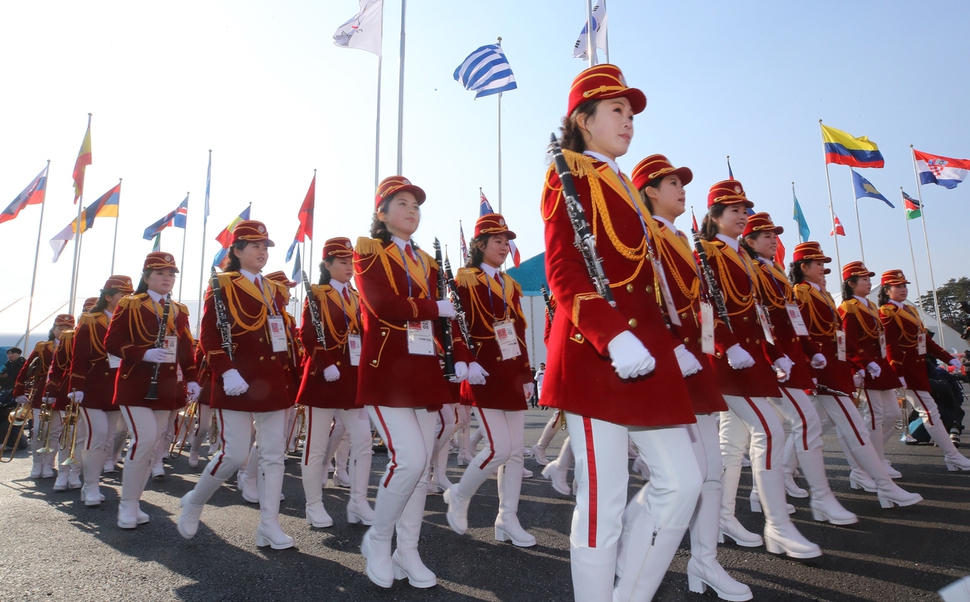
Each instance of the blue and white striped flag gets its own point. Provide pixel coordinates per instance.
(486, 71)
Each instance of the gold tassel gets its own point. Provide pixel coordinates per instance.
(466, 277)
(368, 246)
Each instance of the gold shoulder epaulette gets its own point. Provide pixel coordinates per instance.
(467, 277)
(225, 278)
(368, 246)
(40, 346)
(133, 302)
(580, 165)
(182, 307)
(89, 318)
(428, 259)
(888, 308)
(850, 306)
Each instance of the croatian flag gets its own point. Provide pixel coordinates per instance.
(943, 171)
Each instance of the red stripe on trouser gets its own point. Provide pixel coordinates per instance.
(87, 421)
(929, 417)
(872, 415)
(767, 432)
(309, 437)
(390, 446)
(134, 434)
(441, 418)
(800, 415)
(222, 441)
(491, 442)
(591, 467)
(849, 418)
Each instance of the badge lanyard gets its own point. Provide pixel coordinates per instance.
(274, 321)
(505, 303)
(407, 272)
(839, 333)
(353, 340)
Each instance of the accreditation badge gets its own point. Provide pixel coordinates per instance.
(113, 361)
(420, 338)
(795, 317)
(508, 342)
(882, 344)
(665, 291)
(765, 323)
(171, 349)
(707, 328)
(277, 332)
(840, 343)
(921, 343)
(353, 346)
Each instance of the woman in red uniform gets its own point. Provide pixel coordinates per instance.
(400, 379)
(253, 385)
(834, 373)
(661, 186)
(613, 369)
(745, 368)
(907, 345)
(56, 395)
(93, 374)
(329, 385)
(201, 432)
(132, 336)
(499, 380)
(36, 367)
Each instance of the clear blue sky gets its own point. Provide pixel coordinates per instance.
(263, 86)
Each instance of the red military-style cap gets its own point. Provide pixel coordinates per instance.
(893, 278)
(761, 222)
(492, 223)
(65, 320)
(250, 230)
(392, 185)
(855, 268)
(602, 82)
(728, 192)
(280, 277)
(657, 166)
(88, 304)
(159, 260)
(119, 283)
(808, 251)
(338, 247)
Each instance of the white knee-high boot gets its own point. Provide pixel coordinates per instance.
(781, 535)
(703, 569)
(824, 505)
(507, 525)
(729, 524)
(376, 545)
(269, 531)
(406, 559)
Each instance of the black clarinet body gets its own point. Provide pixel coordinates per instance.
(159, 343)
(447, 339)
(713, 290)
(222, 317)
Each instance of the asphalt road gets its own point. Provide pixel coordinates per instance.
(52, 547)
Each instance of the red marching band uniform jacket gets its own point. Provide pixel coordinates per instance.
(59, 376)
(903, 327)
(735, 274)
(863, 327)
(389, 375)
(133, 331)
(579, 376)
(777, 293)
(268, 373)
(486, 302)
(822, 320)
(43, 352)
(684, 284)
(91, 372)
(340, 320)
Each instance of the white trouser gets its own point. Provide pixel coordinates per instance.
(201, 431)
(97, 424)
(841, 412)
(164, 440)
(929, 413)
(879, 410)
(79, 443)
(799, 413)
(334, 439)
(41, 438)
(504, 443)
(146, 427)
(549, 431)
(318, 436)
(447, 423)
(463, 430)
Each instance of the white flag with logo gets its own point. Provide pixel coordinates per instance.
(364, 31)
(599, 33)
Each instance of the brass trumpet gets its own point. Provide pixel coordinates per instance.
(19, 417)
(69, 432)
(183, 428)
(301, 433)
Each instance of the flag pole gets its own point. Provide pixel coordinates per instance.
(929, 261)
(77, 240)
(590, 45)
(858, 222)
(400, 95)
(114, 244)
(205, 223)
(377, 128)
(500, 143)
(606, 39)
(185, 231)
(912, 256)
(33, 279)
(828, 182)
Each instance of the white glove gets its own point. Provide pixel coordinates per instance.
(819, 361)
(687, 361)
(530, 390)
(461, 372)
(859, 378)
(233, 383)
(446, 309)
(903, 381)
(874, 369)
(22, 399)
(76, 396)
(738, 358)
(331, 373)
(814, 381)
(192, 391)
(784, 364)
(956, 364)
(476, 374)
(155, 356)
(50, 400)
(630, 358)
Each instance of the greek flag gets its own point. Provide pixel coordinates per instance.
(486, 71)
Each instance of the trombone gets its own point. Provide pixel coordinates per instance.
(301, 436)
(69, 432)
(183, 428)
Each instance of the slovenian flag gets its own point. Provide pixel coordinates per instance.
(842, 148)
(943, 171)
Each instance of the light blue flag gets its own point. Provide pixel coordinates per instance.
(865, 190)
(297, 275)
(803, 232)
(486, 71)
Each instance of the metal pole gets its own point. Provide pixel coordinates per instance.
(205, 223)
(114, 244)
(606, 33)
(929, 261)
(185, 231)
(858, 222)
(400, 95)
(590, 47)
(828, 182)
(377, 128)
(33, 279)
(912, 256)
(500, 144)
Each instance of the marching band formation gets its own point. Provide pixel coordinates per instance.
(688, 351)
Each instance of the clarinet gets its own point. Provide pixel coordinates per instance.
(584, 242)
(460, 316)
(447, 341)
(314, 312)
(222, 319)
(550, 310)
(159, 343)
(713, 290)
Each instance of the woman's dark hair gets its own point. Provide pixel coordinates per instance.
(50, 334)
(102, 303)
(143, 282)
(572, 134)
(747, 246)
(325, 270)
(378, 229)
(476, 251)
(655, 184)
(234, 265)
(847, 287)
(883, 297)
(708, 227)
(797, 272)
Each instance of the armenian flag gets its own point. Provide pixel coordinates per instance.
(842, 148)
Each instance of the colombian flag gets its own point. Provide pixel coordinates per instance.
(32, 195)
(842, 148)
(83, 160)
(225, 237)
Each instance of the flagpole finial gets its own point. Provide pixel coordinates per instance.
(819, 121)
(119, 180)
(500, 40)
(314, 171)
